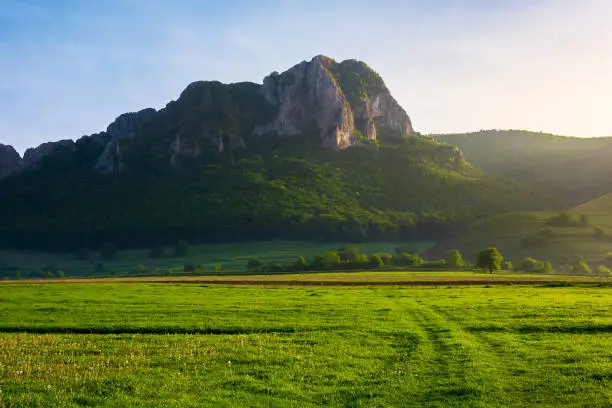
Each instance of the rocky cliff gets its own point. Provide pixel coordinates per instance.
(10, 161)
(341, 104)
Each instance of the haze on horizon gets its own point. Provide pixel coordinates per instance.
(70, 67)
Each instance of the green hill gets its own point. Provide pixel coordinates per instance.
(531, 234)
(572, 169)
(601, 205)
(416, 189)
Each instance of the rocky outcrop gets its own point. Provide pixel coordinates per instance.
(342, 102)
(124, 126)
(10, 161)
(33, 157)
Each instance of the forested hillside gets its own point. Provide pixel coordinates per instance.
(415, 188)
(571, 169)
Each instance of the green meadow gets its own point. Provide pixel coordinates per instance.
(151, 345)
(226, 257)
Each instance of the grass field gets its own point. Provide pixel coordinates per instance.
(507, 231)
(196, 345)
(372, 277)
(231, 257)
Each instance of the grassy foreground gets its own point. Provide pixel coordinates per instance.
(192, 345)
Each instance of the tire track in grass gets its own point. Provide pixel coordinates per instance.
(464, 373)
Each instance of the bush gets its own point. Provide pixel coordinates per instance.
(330, 259)
(387, 258)
(603, 270)
(507, 266)
(376, 261)
(529, 264)
(412, 260)
(348, 253)
(490, 259)
(301, 263)
(455, 260)
(181, 248)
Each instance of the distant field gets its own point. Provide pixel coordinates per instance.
(507, 231)
(341, 277)
(189, 346)
(230, 257)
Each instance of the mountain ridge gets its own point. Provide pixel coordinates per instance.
(342, 103)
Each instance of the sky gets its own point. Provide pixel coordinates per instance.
(69, 67)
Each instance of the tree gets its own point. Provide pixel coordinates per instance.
(376, 261)
(490, 259)
(413, 260)
(348, 253)
(598, 232)
(507, 266)
(181, 247)
(157, 251)
(547, 267)
(455, 260)
(331, 259)
(108, 252)
(387, 258)
(301, 263)
(603, 270)
(529, 264)
(581, 267)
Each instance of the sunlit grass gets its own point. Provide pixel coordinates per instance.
(193, 345)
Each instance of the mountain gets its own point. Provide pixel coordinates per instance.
(336, 105)
(571, 169)
(321, 151)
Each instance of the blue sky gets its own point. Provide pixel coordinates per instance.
(69, 67)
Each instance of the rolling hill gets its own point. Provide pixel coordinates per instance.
(531, 234)
(572, 169)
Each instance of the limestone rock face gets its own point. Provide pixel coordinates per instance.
(33, 157)
(342, 102)
(328, 103)
(10, 161)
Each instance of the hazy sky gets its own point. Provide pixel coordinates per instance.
(69, 67)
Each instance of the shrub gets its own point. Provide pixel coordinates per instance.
(330, 259)
(406, 259)
(301, 263)
(455, 260)
(603, 270)
(529, 264)
(218, 267)
(348, 253)
(490, 259)
(581, 268)
(376, 261)
(387, 258)
(507, 266)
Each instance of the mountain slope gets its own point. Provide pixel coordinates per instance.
(321, 151)
(572, 169)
